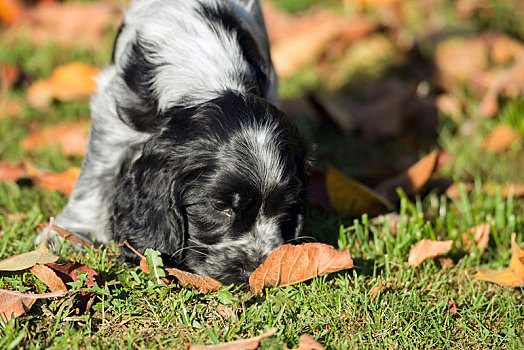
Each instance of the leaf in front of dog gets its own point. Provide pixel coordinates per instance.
(26, 260)
(412, 180)
(244, 344)
(71, 138)
(202, 283)
(428, 249)
(14, 304)
(291, 264)
(352, 198)
(154, 263)
(512, 276)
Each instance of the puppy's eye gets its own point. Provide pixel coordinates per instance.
(223, 208)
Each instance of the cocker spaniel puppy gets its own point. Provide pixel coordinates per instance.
(187, 153)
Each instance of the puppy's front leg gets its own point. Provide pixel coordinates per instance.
(112, 145)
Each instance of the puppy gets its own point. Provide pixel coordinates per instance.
(188, 154)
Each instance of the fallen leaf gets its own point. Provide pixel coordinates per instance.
(291, 264)
(412, 180)
(351, 198)
(14, 304)
(480, 234)
(307, 342)
(452, 306)
(427, 248)
(501, 138)
(516, 190)
(67, 83)
(68, 23)
(202, 283)
(30, 259)
(49, 277)
(512, 276)
(70, 137)
(375, 290)
(449, 104)
(63, 182)
(71, 237)
(10, 11)
(10, 172)
(9, 74)
(446, 263)
(244, 344)
(226, 312)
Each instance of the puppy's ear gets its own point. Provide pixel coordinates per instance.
(146, 209)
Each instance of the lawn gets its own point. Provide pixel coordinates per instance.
(382, 302)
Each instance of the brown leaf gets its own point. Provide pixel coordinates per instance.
(480, 234)
(512, 276)
(291, 264)
(26, 260)
(452, 306)
(428, 249)
(412, 180)
(16, 304)
(446, 263)
(49, 277)
(64, 182)
(70, 137)
(373, 292)
(71, 237)
(449, 104)
(307, 342)
(501, 138)
(9, 74)
(68, 23)
(351, 198)
(516, 190)
(10, 172)
(203, 284)
(244, 344)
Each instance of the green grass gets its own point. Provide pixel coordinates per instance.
(339, 310)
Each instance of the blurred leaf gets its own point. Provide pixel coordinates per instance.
(10, 172)
(480, 235)
(244, 344)
(10, 11)
(427, 248)
(352, 198)
(63, 182)
(307, 342)
(501, 138)
(291, 264)
(71, 138)
(513, 276)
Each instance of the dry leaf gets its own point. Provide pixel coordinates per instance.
(307, 342)
(49, 277)
(351, 198)
(202, 283)
(291, 264)
(446, 263)
(373, 292)
(10, 11)
(10, 172)
(64, 182)
(244, 344)
(67, 83)
(16, 303)
(71, 237)
(449, 104)
(452, 306)
(68, 23)
(70, 137)
(480, 236)
(412, 180)
(428, 249)
(512, 276)
(30, 259)
(516, 190)
(501, 138)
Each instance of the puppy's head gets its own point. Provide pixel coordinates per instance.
(217, 188)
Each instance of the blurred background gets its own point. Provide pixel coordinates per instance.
(375, 85)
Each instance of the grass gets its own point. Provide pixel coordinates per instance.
(342, 310)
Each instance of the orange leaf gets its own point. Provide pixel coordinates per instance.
(428, 249)
(516, 190)
(203, 284)
(480, 234)
(16, 304)
(501, 138)
(10, 172)
(67, 83)
(10, 11)
(307, 342)
(244, 344)
(351, 198)
(412, 180)
(512, 276)
(291, 264)
(71, 237)
(49, 277)
(63, 182)
(70, 137)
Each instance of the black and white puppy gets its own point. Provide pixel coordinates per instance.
(188, 154)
